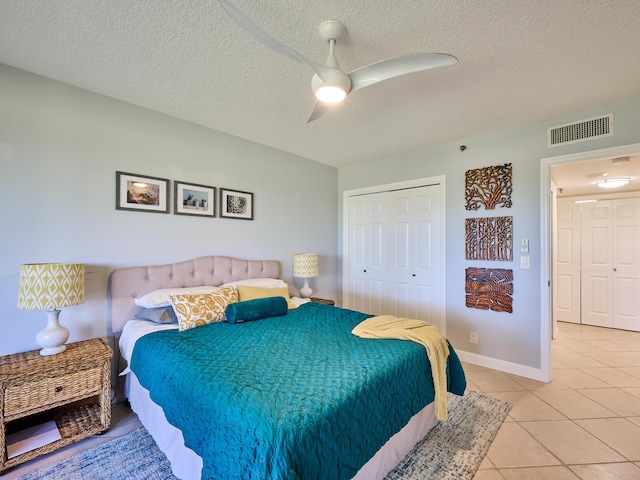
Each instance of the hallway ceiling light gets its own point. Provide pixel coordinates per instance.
(612, 182)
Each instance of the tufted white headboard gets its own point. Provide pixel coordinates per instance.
(128, 283)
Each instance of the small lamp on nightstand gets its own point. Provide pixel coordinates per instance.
(51, 286)
(305, 265)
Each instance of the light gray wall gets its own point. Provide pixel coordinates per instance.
(512, 339)
(60, 147)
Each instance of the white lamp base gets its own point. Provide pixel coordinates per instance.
(305, 291)
(52, 338)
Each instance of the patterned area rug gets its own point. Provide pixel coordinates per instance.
(452, 450)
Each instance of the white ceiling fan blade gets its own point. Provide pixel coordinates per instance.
(318, 110)
(394, 67)
(263, 37)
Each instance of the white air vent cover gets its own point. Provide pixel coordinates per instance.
(588, 129)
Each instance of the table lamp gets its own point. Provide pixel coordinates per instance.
(305, 265)
(51, 286)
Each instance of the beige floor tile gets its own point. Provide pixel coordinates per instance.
(574, 405)
(472, 386)
(488, 475)
(613, 359)
(470, 367)
(613, 377)
(492, 381)
(632, 391)
(556, 347)
(633, 356)
(486, 464)
(616, 400)
(558, 363)
(608, 346)
(620, 434)
(534, 385)
(610, 471)
(576, 346)
(528, 407)
(635, 371)
(579, 335)
(570, 443)
(515, 447)
(576, 378)
(579, 360)
(633, 344)
(635, 420)
(539, 473)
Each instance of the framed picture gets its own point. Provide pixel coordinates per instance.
(193, 199)
(236, 204)
(142, 193)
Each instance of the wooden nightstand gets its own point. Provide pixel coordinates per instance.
(324, 301)
(73, 388)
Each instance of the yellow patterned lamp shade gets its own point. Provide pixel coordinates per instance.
(51, 286)
(305, 265)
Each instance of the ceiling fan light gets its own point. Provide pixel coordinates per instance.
(330, 94)
(612, 182)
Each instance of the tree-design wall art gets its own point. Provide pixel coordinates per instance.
(488, 187)
(489, 238)
(489, 289)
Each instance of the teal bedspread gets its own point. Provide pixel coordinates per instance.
(289, 397)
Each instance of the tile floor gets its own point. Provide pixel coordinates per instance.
(585, 424)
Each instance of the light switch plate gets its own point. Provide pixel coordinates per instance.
(524, 245)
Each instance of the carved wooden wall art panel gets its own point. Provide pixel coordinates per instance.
(489, 289)
(489, 238)
(488, 187)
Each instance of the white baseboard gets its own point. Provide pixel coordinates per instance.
(502, 366)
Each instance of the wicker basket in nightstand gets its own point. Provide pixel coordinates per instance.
(324, 301)
(73, 388)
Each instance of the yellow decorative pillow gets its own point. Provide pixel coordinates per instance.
(196, 310)
(246, 292)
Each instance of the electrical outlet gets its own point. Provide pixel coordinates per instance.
(473, 337)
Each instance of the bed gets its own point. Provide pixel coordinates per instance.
(291, 396)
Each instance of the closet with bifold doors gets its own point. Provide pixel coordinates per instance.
(597, 267)
(394, 249)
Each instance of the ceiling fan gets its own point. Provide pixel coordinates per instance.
(329, 83)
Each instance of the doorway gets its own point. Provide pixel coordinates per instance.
(548, 196)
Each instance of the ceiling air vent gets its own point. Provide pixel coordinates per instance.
(596, 127)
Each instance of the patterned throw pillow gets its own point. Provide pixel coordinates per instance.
(196, 310)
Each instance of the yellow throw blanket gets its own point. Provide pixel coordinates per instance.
(388, 326)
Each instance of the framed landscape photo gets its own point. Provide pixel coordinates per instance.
(236, 204)
(194, 199)
(142, 193)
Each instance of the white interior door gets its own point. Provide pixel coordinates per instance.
(626, 264)
(414, 254)
(597, 264)
(566, 284)
(367, 234)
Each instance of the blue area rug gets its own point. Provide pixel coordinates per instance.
(452, 450)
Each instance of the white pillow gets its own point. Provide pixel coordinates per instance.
(162, 297)
(258, 282)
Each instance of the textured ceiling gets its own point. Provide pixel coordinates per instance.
(519, 62)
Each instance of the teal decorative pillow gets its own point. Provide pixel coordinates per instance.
(256, 309)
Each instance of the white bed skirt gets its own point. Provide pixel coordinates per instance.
(187, 465)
